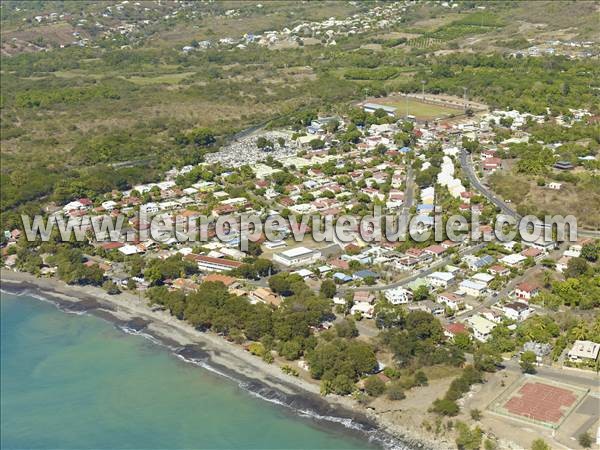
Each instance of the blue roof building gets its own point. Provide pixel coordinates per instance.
(342, 277)
(362, 274)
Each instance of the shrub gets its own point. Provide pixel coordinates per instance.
(374, 386)
(395, 392)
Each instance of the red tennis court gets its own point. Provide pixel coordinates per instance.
(541, 402)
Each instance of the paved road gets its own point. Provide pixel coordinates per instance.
(575, 377)
(467, 166)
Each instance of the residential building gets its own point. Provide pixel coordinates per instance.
(517, 311)
(472, 288)
(482, 327)
(398, 296)
(217, 277)
(428, 306)
(452, 329)
(449, 299)
(439, 279)
(482, 277)
(364, 308)
(513, 260)
(264, 295)
(499, 270)
(526, 290)
(584, 351)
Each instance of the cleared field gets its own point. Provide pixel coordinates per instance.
(421, 110)
(529, 198)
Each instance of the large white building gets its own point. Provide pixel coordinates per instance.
(398, 296)
(584, 351)
(299, 256)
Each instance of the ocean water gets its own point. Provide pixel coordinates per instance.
(77, 382)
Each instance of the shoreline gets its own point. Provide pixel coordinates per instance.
(212, 352)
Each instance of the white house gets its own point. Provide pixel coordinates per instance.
(472, 288)
(526, 291)
(513, 260)
(483, 278)
(439, 279)
(584, 351)
(482, 327)
(449, 299)
(398, 296)
(517, 311)
(366, 309)
(149, 208)
(109, 205)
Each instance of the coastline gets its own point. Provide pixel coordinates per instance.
(212, 352)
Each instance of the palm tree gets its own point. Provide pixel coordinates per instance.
(579, 331)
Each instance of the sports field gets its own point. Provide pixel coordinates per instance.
(419, 109)
(543, 403)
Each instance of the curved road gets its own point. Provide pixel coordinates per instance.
(467, 166)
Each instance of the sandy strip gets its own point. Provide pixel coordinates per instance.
(228, 359)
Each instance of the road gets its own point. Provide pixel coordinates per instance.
(576, 377)
(467, 166)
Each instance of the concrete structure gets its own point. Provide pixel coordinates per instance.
(372, 107)
(584, 351)
(299, 256)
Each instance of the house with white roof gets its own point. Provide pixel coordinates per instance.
(584, 351)
(472, 288)
(439, 279)
(398, 295)
(298, 256)
(482, 327)
(364, 308)
(513, 260)
(482, 277)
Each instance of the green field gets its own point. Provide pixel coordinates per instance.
(422, 111)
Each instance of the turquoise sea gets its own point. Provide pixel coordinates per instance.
(77, 382)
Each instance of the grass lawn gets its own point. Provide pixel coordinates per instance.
(422, 111)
